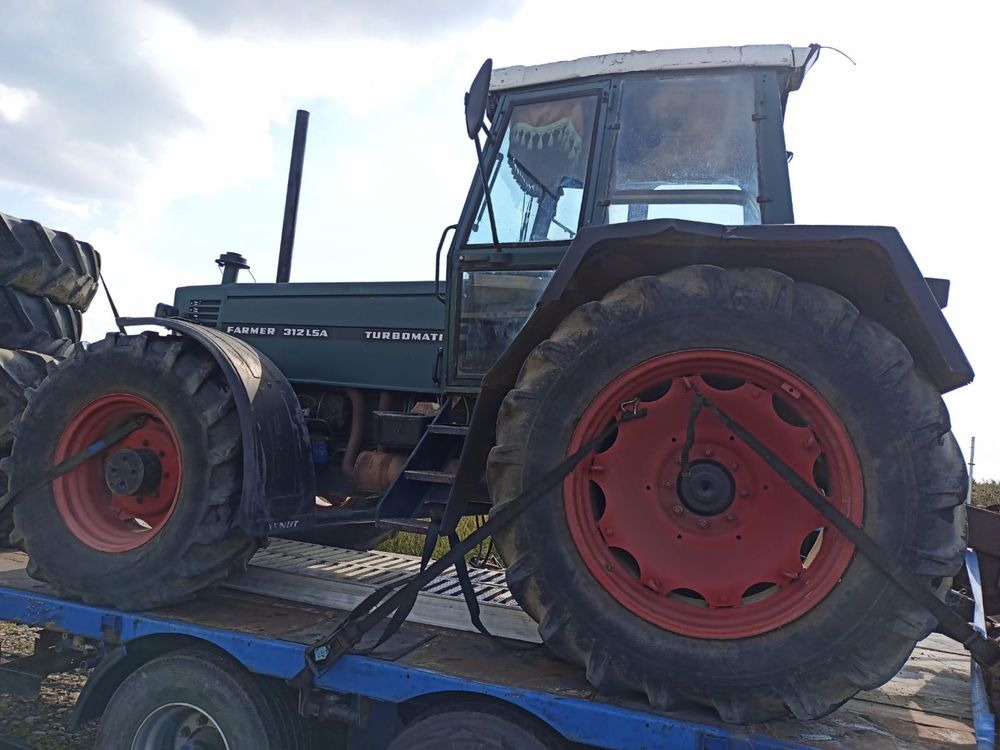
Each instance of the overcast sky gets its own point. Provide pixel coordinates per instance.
(160, 131)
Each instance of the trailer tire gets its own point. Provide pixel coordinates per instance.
(38, 324)
(47, 263)
(199, 686)
(477, 727)
(157, 545)
(617, 620)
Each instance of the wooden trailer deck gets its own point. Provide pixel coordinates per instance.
(293, 591)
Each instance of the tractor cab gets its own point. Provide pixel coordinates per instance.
(675, 134)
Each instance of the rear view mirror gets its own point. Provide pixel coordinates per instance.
(475, 100)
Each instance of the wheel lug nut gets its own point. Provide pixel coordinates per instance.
(709, 451)
(678, 510)
(668, 484)
(609, 532)
(730, 517)
(734, 466)
(653, 584)
(744, 493)
(703, 524)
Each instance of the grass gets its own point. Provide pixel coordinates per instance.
(986, 493)
(413, 544)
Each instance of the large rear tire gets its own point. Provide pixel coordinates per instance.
(728, 590)
(168, 530)
(47, 263)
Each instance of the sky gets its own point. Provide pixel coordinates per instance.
(159, 131)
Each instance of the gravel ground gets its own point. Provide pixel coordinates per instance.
(41, 723)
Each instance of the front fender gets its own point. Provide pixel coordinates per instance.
(870, 266)
(279, 483)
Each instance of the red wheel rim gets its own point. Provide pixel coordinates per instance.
(727, 572)
(93, 514)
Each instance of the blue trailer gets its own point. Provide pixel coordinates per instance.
(213, 672)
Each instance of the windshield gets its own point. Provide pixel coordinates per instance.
(536, 182)
(686, 149)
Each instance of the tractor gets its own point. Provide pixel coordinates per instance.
(625, 282)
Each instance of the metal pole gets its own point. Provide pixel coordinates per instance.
(972, 468)
(292, 197)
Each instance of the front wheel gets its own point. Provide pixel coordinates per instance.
(722, 585)
(152, 520)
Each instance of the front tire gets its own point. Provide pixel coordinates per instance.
(731, 597)
(170, 533)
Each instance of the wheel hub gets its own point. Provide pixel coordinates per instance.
(132, 471)
(119, 501)
(708, 490)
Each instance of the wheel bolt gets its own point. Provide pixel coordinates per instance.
(653, 584)
(609, 567)
(730, 517)
(702, 524)
(678, 510)
(734, 466)
(609, 532)
(668, 484)
(709, 451)
(744, 493)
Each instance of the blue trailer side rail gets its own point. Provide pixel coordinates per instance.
(394, 681)
(267, 636)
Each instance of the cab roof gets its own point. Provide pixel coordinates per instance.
(797, 60)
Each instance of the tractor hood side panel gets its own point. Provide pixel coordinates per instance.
(377, 335)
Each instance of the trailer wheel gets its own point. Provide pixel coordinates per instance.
(198, 698)
(725, 587)
(152, 520)
(47, 263)
(476, 727)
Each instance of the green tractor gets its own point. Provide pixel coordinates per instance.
(626, 254)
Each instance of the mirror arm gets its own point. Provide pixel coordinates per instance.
(486, 191)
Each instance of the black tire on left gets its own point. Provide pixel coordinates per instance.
(20, 371)
(47, 263)
(38, 324)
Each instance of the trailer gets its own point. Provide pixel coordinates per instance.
(430, 684)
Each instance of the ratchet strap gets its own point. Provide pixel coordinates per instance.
(985, 651)
(378, 605)
(112, 438)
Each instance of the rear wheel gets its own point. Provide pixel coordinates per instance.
(152, 520)
(724, 586)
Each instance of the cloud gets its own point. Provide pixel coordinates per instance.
(313, 18)
(86, 108)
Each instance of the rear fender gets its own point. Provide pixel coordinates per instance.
(279, 483)
(870, 266)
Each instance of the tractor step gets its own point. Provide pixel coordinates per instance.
(434, 477)
(448, 429)
(411, 525)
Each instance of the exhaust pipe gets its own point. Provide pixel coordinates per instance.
(292, 197)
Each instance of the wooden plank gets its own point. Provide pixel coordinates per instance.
(12, 560)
